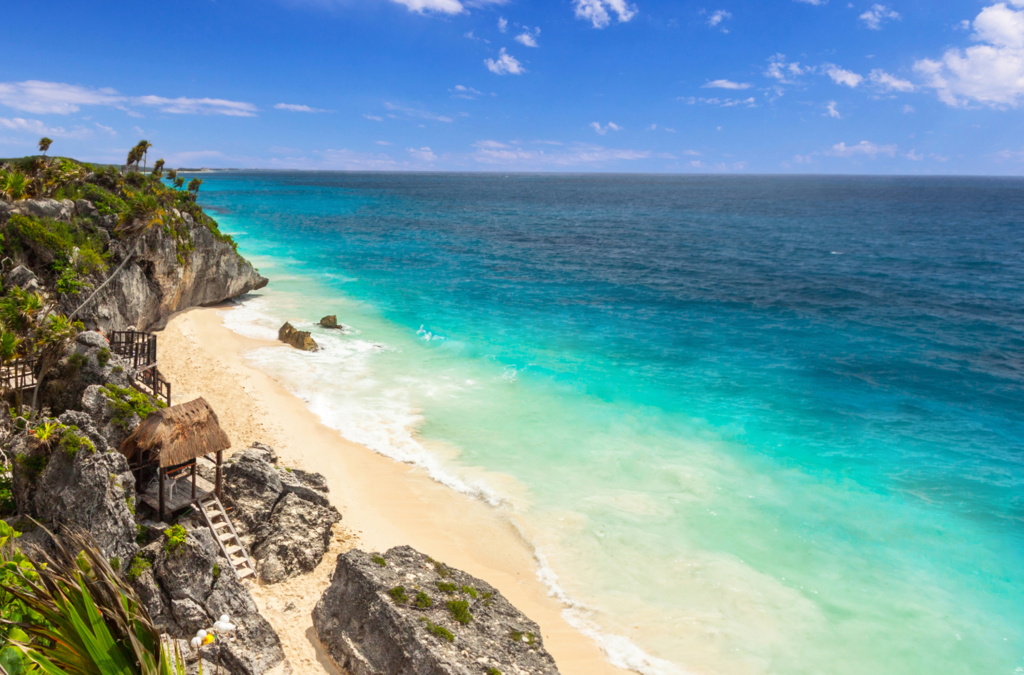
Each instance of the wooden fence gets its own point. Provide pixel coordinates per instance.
(136, 347)
(18, 375)
(152, 382)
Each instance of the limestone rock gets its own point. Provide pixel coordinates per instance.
(86, 209)
(330, 321)
(23, 278)
(368, 631)
(311, 487)
(87, 361)
(47, 208)
(300, 339)
(295, 539)
(252, 486)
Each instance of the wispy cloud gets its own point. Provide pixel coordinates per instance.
(725, 84)
(375, 118)
(832, 112)
(611, 126)
(55, 98)
(877, 15)
(888, 82)
(423, 154)
(720, 102)
(505, 64)
(198, 106)
(462, 91)
(442, 6)
(528, 37)
(864, 148)
(416, 113)
(105, 129)
(294, 107)
(816, 3)
(38, 128)
(841, 76)
(502, 24)
(598, 12)
(514, 155)
(783, 71)
(718, 17)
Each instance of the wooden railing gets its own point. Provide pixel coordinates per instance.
(152, 382)
(18, 375)
(136, 347)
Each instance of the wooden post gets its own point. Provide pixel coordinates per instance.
(160, 471)
(220, 456)
(194, 479)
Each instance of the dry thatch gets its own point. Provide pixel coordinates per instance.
(177, 434)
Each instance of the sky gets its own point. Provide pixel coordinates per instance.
(737, 86)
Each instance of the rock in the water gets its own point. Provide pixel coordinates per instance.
(330, 321)
(294, 540)
(300, 339)
(404, 613)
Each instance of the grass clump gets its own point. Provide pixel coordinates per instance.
(115, 563)
(441, 569)
(379, 561)
(459, 609)
(128, 402)
(398, 595)
(439, 631)
(423, 600)
(175, 543)
(470, 591)
(103, 356)
(445, 587)
(71, 442)
(138, 566)
(518, 637)
(33, 464)
(216, 571)
(493, 671)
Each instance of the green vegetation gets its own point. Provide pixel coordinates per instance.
(470, 591)
(33, 464)
(103, 356)
(138, 566)
(128, 402)
(379, 561)
(423, 600)
(71, 442)
(441, 569)
(115, 563)
(493, 671)
(459, 609)
(518, 637)
(216, 571)
(445, 587)
(398, 595)
(175, 544)
(439, 631)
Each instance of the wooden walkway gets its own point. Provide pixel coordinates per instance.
(217, 520)
(177, 493)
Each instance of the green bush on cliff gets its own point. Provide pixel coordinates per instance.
(127, 402)
(71, 442)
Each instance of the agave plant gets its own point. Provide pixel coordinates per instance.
(14, 185)
(86, 620)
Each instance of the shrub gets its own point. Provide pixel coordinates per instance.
(103, 356)
(445, 587)
(128, 402)
(379, 561)
(423, 600)
(175, 544)
(459, 610)
(398, 595)
(440, 631)
(71, 442)
(138, 566)
(470, 591)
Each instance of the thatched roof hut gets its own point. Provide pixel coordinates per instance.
(172, 436)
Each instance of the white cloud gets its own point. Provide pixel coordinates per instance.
(416, 113)
(908, 109)
(505, 64)
(512, 154)
(840, 76)
(720, 102)
(55, 98)
(105, 129)
(877, 15)
(816, 3)
(963, 25)
(865, 148)
(889, 82)
(991, 73)
(832, 112)
(294, 107)
(611, 126)
(375, 118)
(383, 143)
(597, 11)
(38, 128)
(725, 84)
(443, 6)
(784, 72)
(424, 154)
(1017, 155)
(528, 38)
(914, 155)
(502, 24)
(198, 106)
(718, 17)
(462, 91)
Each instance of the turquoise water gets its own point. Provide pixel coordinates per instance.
(750, 424)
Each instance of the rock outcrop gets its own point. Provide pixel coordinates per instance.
(300, 339)
(330, 321)
(188, 589)
(164, 277)
(282, 516)
(406, 613)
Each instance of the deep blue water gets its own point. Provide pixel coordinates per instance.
(833, 367)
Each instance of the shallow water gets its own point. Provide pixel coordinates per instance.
(751, 424)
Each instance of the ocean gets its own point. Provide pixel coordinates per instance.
(749, 424)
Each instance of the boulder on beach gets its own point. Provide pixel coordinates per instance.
(300, 339)
(402, 612)
(330, 321)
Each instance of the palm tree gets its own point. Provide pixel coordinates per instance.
(143, 148)
(178, 182)
(193, 187)
(172, 174)
(134, 157)
(158, 168)
(44, 145)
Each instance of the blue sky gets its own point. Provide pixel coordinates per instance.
(820, 86)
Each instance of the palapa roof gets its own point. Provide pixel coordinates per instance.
(177, 434)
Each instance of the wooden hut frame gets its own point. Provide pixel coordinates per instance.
(172, 438)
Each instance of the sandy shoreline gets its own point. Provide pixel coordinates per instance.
(383, 503)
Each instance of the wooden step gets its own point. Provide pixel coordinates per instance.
(245, 572)
(231, 550)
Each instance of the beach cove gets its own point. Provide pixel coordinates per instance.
(383, 503)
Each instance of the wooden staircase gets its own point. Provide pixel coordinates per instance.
(224, 532)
